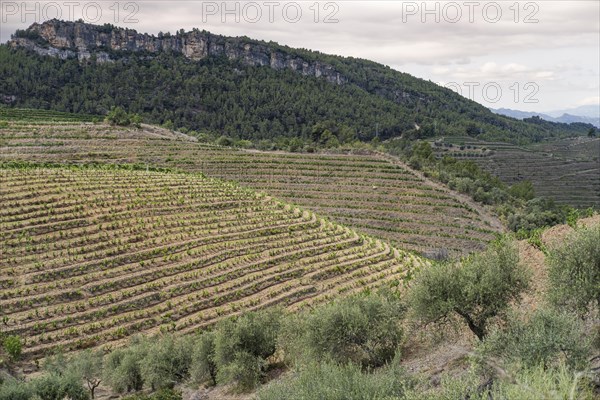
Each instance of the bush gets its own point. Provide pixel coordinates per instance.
(118, 116)
(12, 389)
(477, 291)
(546, 338)
(203, 368)
(59, 387)
(540, 383)
(122, 367)
(87, 365)
(361, 329)
(167, 362)
(225, 141)
(523, 190)
(13, 347)
(330, 381)
(242, 346)
(574, 271)
(515, 384)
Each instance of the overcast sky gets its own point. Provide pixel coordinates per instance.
(532, 56)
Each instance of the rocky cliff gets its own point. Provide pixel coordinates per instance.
(77, 39)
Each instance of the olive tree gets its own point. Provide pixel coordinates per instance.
(476, 290)
(574, 270)
(242, 346)
(363, 329)
(88, 366)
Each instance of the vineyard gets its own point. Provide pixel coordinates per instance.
(567, 170)
(367, 192)
(92, 256)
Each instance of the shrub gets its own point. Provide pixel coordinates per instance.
(360, 329)
(225, 141)
(574, 270)
(546, 338)
(242, 346)
(12, 389)
(523, 190)
(540, 383)
(87, 365)
(167, 362)
(13, 347)
(477, 291)
(203, 368)
(122, 367)
(330, 381)
(59, 387)
(118, 116)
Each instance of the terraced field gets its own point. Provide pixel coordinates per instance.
(92, 256)
(366, 192)
(567, 171)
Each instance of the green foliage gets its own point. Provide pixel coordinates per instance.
(256, 103)
(122, 367)
(13, 346)
(537, 213)
(363, 329)
(203, 368)
(330, 381)
(225, 141)
(572, 217)
(242, 346)
(537, 383)
(523, 190)
(12, 389)
(58, 387)
(574, 270)
(167, 362)
(545, 338)
(118, 116)
(516, 383)
(478, 290)
(87, 365)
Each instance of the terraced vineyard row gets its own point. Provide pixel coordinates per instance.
(92, 256)
(42, 116)
(567, 171)
(366, 192)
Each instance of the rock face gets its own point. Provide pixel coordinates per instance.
(77, 39)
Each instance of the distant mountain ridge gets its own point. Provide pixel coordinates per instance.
(242, 88)
(560, 116)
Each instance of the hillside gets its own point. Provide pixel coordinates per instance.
(239, 87)
(92, 256)
(566, 171)
(365, 191)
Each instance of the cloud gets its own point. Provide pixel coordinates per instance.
(590, 101)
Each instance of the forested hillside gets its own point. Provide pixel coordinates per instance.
(242, 95)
